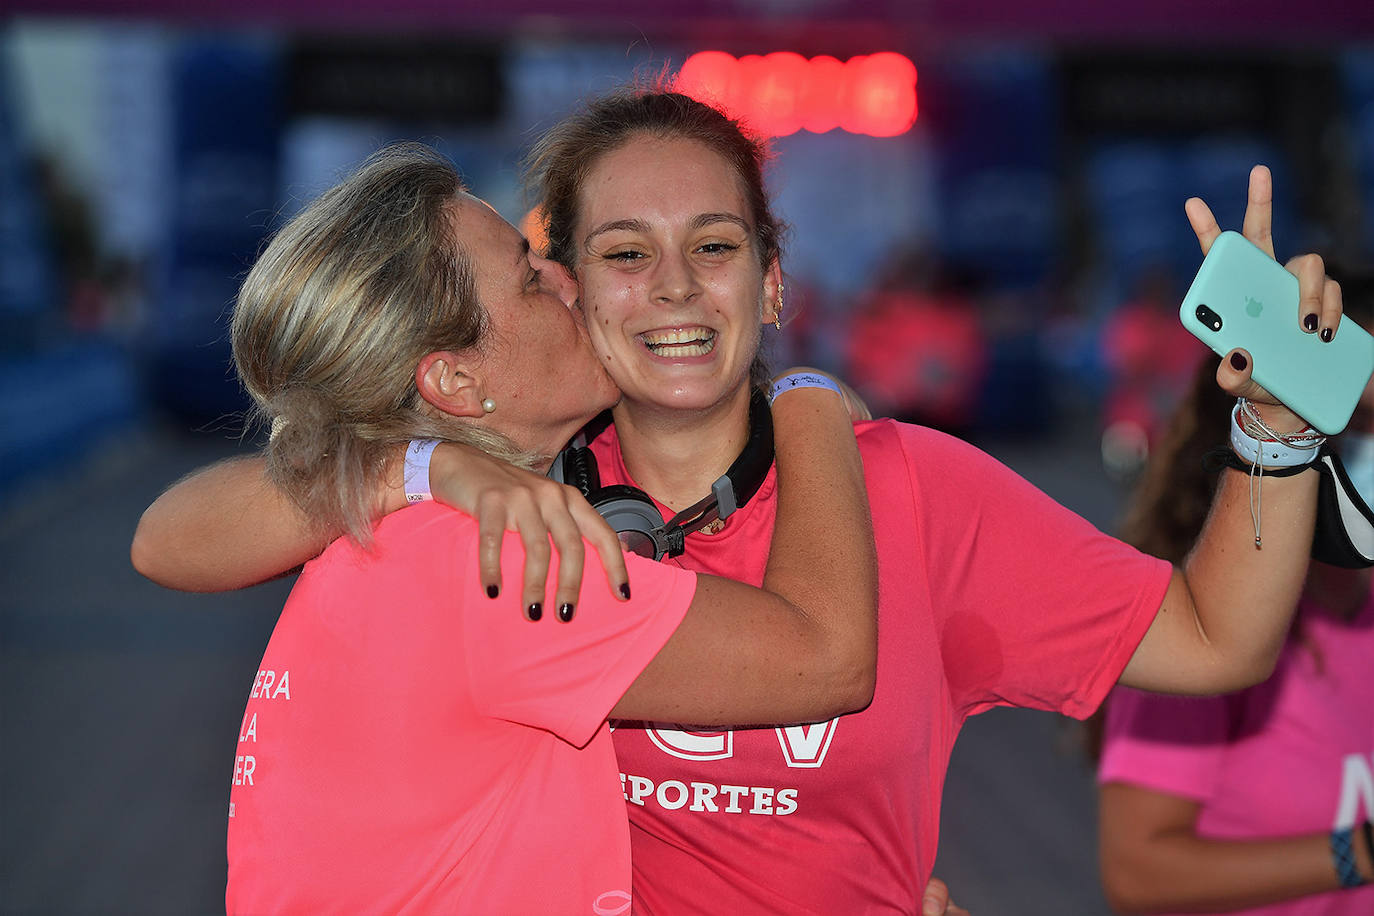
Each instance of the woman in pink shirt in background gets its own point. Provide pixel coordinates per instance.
(1256, 802)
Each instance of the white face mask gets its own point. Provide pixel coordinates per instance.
(1357, 454)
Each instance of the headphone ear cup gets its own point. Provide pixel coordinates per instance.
(633, 516)
(579, 470)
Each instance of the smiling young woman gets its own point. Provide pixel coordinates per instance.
(991, 594)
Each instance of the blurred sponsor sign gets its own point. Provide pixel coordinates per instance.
(1162, 93)
(398, 78)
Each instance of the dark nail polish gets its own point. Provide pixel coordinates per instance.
(1238, 362)
(1310, 322)
(493, 591)
(534, 611)
(565, 612)
(625, 590)
(1327, 334)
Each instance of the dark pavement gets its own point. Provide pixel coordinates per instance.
(122, 702)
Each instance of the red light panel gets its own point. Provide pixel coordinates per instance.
(783, 92)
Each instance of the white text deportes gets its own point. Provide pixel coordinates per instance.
(673, 794)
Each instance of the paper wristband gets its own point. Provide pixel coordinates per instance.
(1269, 453)
(801, 380)
(418, 453)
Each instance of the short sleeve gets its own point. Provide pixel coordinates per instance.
(565, 677)
(1169, 744)
(1035, 607)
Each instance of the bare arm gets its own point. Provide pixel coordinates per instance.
(1226, 613)
(1153, 860)
(227, 526)
(1224, 617)
(805, 648)
(220, 528)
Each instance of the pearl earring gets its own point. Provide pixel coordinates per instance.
(488, 405)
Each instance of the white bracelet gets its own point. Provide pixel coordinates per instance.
(418, 453)
(801, 380)
(1273, 453)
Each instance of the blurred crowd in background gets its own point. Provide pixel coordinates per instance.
(1010, 263)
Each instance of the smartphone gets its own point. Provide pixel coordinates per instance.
(1242, 297)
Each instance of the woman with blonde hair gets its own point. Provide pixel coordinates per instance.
(409, 744)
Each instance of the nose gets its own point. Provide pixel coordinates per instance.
(675, 280)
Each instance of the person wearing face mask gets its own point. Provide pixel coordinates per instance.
(1259, 801)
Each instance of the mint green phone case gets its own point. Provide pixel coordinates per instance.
(1241, 297)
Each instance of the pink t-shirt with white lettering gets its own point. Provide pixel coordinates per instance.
(991, 594)
(1291, 756)
(411, 746)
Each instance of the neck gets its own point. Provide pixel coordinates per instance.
(676, 455)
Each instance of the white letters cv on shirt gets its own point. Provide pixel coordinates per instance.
(802, 745)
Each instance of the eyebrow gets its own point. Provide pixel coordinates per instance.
(700, 221)
(619, 225)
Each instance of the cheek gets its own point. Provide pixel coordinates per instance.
(741, 298)
(596, 333)
(754, 342)
(608, 310)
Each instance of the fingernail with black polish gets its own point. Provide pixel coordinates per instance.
(534, 611)
(1238, 362)
(493, 591)
(1327, 334)
(1309, 321)
(565, 612)
(625, 590)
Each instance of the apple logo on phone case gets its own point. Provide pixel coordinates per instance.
(1253, 307)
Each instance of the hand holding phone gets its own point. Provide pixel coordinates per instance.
(1243, 298)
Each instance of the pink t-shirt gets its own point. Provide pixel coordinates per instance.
(991, 594)
(1294, 755)
(411, 746)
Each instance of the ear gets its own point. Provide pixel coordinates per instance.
(446, 382)
(772, 287)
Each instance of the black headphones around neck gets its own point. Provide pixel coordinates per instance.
(633, 515)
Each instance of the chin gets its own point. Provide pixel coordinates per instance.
(692, 399)
(683, 392)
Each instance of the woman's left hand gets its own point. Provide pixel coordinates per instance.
(503, 497)
(1319, 297)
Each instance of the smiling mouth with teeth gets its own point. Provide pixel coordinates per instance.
(680, 343)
